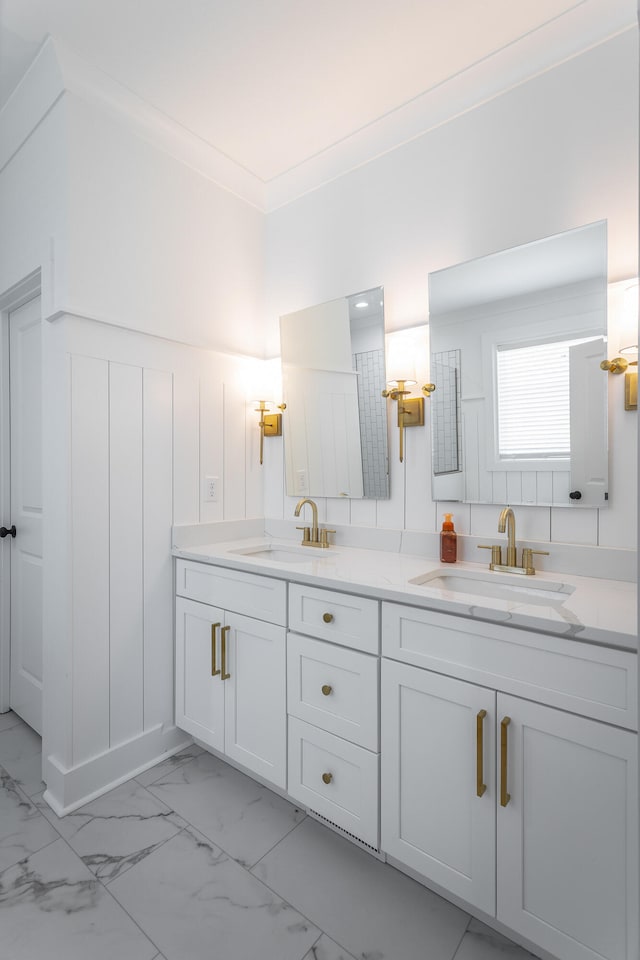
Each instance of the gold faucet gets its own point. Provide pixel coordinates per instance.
(507, 521)
(312, 537)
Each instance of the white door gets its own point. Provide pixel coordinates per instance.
(567, 871)
(199, 687)
(256, 696)
(25, 353)
(437, 783)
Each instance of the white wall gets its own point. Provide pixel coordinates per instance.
(555, 153)
(34, 198)
(124, 234)
(156, 246)
(132, 422)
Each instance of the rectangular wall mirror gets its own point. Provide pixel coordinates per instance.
(335, 421)
(519, 414)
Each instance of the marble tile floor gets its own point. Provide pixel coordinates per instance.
(192, 860)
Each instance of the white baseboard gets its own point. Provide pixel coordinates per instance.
(70, 788)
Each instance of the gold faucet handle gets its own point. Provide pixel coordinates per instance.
(324, 537)
(527, 558)
(496, 553)
(306, 534)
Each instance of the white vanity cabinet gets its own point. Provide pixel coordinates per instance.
(333, 706)
(431, 818)
(524, 810)
(497, 764)
(231, 667)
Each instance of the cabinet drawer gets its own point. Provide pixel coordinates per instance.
(579, 677)
(334, 688)
(261, 597)
(339, 617)
(350, 797)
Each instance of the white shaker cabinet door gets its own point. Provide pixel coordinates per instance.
(567, 871)
(436, 757)
(200, 692)
(256, 697)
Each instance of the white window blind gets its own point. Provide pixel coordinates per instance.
(533, 401)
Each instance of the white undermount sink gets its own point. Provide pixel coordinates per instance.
(498, 586)
(267, 551)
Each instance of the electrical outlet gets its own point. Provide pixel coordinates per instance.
(211, 489)
(301, 481)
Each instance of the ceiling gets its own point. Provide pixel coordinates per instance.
(273, 84)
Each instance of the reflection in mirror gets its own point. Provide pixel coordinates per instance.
(335, 422)
(520, 411)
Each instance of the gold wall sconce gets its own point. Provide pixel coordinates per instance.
(410, 411)
(270, 424)
(620, 365)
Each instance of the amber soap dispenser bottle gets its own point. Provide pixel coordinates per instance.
(448, 541)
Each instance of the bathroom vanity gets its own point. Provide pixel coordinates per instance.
(477, 730)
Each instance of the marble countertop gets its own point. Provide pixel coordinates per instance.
(595, 611)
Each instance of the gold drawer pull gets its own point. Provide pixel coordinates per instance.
(326, 689)
(480, 786)
(327, 617)
(214, 670)
(504, 796)
(223, 645)
(327, 777)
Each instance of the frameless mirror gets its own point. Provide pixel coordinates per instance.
(519, 415)
(335, 421)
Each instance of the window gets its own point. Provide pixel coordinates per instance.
(533, 401)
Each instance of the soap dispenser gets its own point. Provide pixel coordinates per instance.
(448, 541)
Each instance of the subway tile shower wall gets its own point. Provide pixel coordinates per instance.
(373, 433)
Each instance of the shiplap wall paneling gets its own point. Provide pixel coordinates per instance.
(57, 693)
(544, 482)
(499, 487)
(158, 517)
(234, 454)
(529, 486)
(254, 473)
(571, 525)
(186, 447)
(90, 555)
(364, 513)
(274, 474)
(241, 371)
(561, 488)
(390, 513)
(338, 510)
(211, 442)
(419, 507)
(470, 452)
(126, 617)
(514, 486)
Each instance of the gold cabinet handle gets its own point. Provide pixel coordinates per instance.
(214, 669)
(326, 689)
(480, 786)
(327, 617)
(223, 646)
(327, 777)
(504, 796)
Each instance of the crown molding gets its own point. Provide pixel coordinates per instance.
(94, 86)
(585, 26)
(57, 69)
(38, 91)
